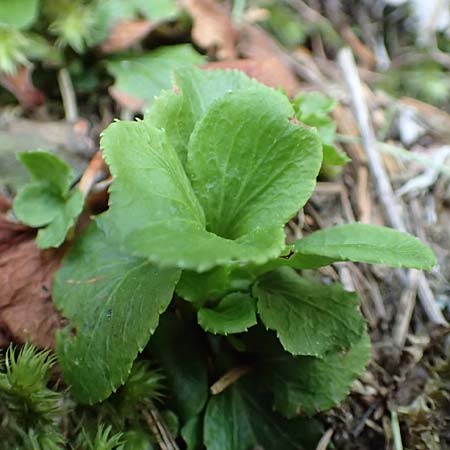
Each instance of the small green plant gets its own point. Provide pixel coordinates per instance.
(203, 187)
(37, 414)
(75, 24)
(48, 199)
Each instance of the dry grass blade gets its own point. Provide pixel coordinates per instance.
(383, 186)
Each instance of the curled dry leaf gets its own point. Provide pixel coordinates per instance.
(269, 71)
(21, 86)
(212, 28)
(26, 308)
(125, 33)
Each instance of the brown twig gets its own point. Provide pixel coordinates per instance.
(159, 429)
(383, 186)
(91, 175)
(68, 95)
(325, 440)
(405, 309)
(228, 379)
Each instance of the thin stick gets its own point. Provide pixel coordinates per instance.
(325, 440)
(395, 426)
(405, 309)
(90, 176)
(159, 429)
(68, 95)
(383, 186)
(228, 379)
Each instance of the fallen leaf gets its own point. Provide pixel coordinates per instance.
(26, 308)
(125, 100)
(140, 78)
(21, 86)
(256, 44)
(212, 28)
(126, 33)
(5, 203)
(269, 71)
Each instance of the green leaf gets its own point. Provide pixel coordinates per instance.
(326, 126)
(37, 205)
(143, 77)
(368, 244)
(112, 302)
(192, 433)
(305, 384)
(313, 103)
(19, 14)
(263, 168)
(47, 200)
(55, 233)
(309, 318)
(237, 419)
(44, 167)
(178, 113)
(157, 10)
(235, 313)
(303, 262)
(179, 350)
(154, 212)
(210, 285)
(333, 156)
(309, 385)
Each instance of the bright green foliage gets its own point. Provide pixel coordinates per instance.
(26, 401)
(109, 12)
(241, 167)
(237, 419)
(232, 213)
(47, 199)
(19, 14)
(143, 77)
(156, 9)
(314, 109)
(366, 243)
(178, 113)
(309, 318)
(39, 415)
(104, 440)
(204, 185)
(235, 313)
(122, 298)
(13, 45)
(72, 22)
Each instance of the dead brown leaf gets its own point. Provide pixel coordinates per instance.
(26, 308)
(269, 71)
(212, 28)
(126, 33)
(21, 86)
(127, 101)
(5, 204)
